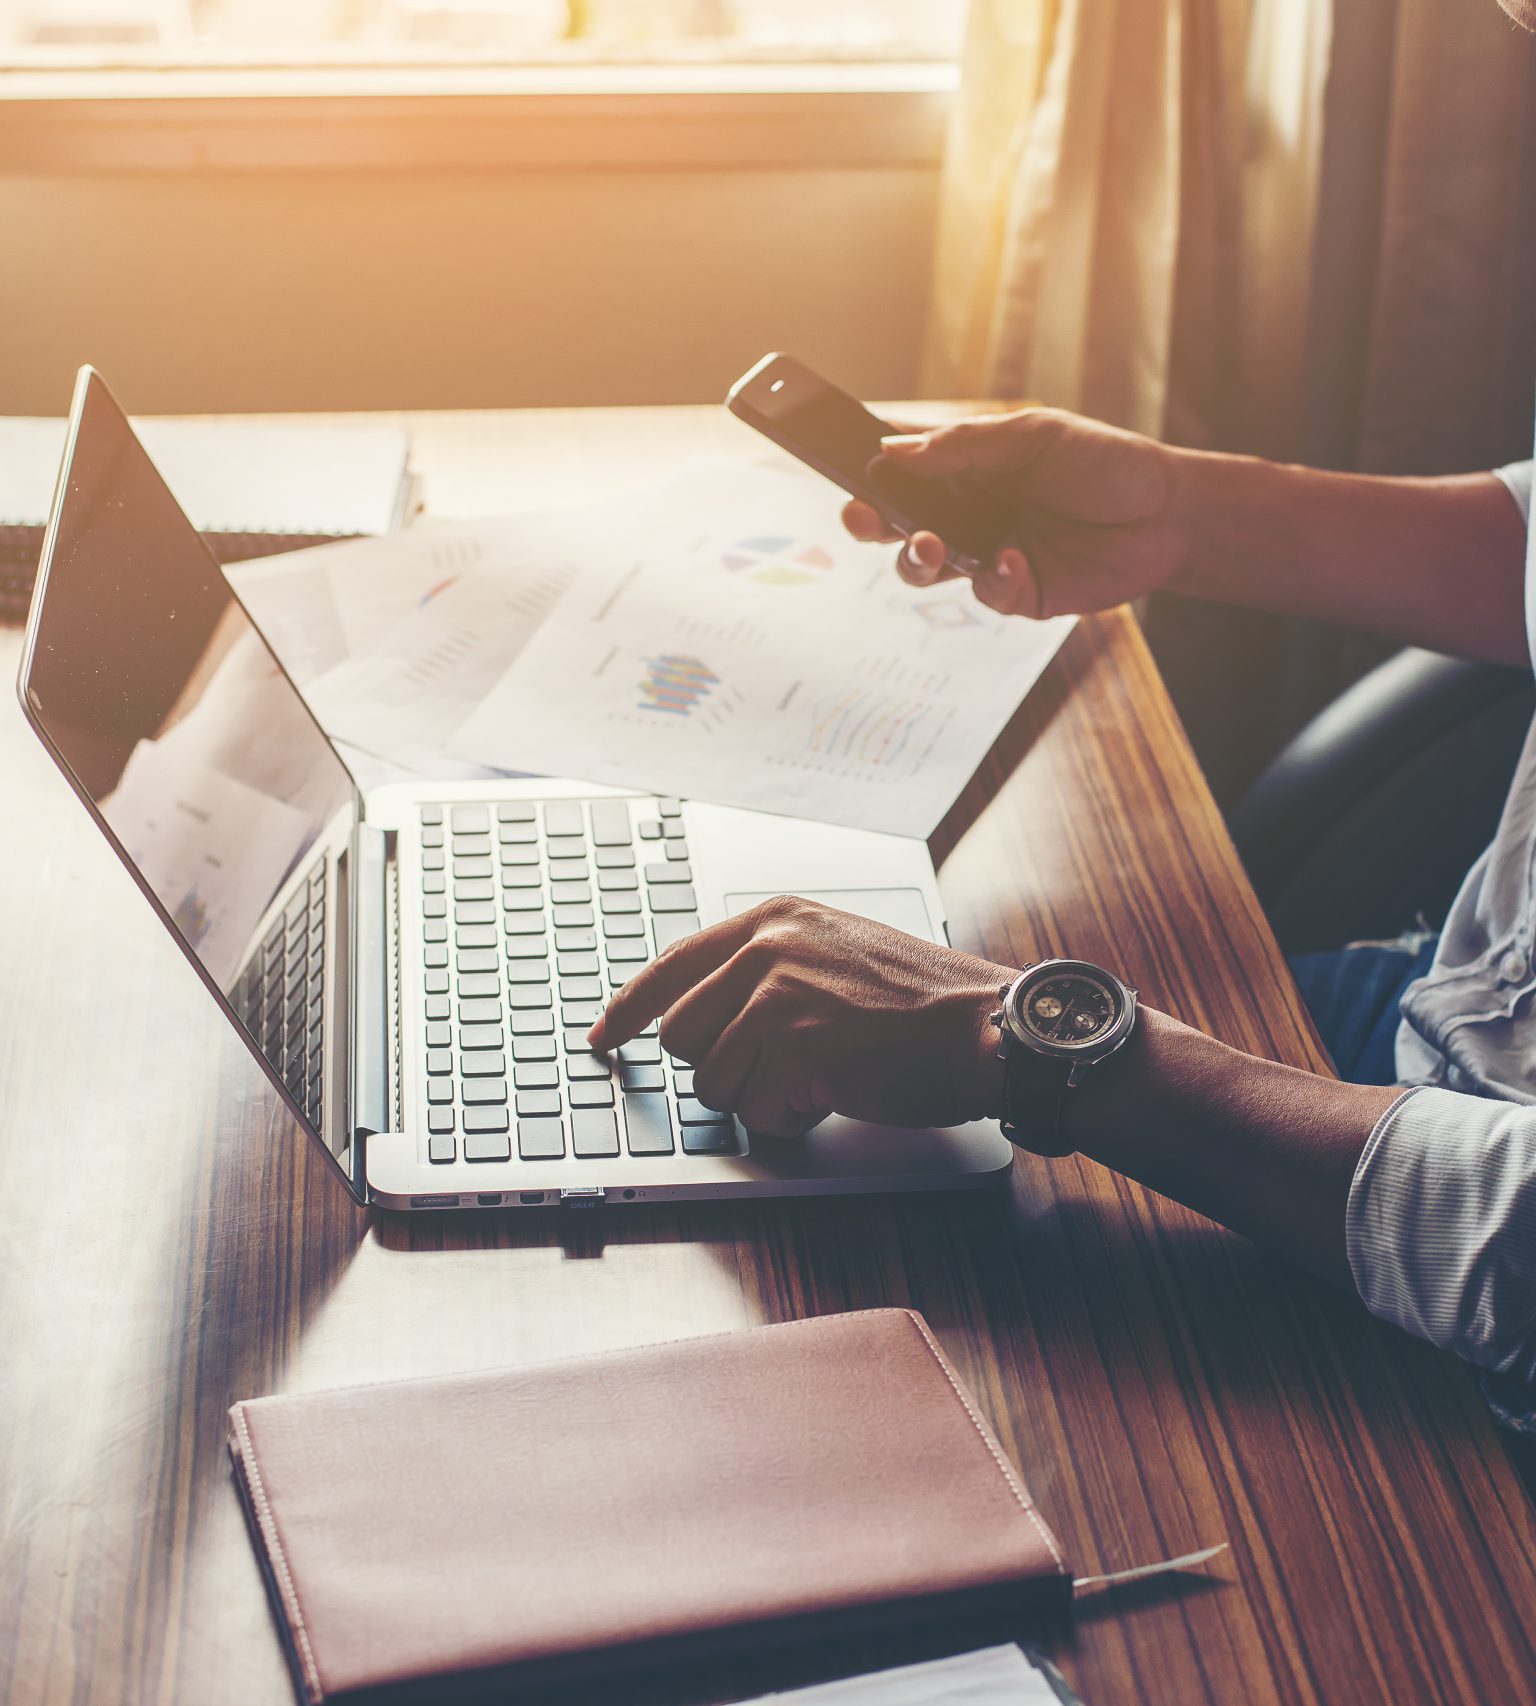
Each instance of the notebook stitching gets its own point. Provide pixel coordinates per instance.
(275, 1547)
(986, 1439)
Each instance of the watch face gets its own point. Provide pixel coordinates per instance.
(1069, 1008)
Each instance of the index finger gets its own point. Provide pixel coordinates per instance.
(654, 988)
(865, 522)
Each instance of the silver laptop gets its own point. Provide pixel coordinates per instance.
(415, 967)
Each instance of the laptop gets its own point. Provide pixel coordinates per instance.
(414, 966)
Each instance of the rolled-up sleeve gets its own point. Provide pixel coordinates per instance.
(1441, 1226)
(1517, 476)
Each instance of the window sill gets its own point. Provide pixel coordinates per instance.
(378, 118)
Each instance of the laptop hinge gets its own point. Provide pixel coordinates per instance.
(369, 1104)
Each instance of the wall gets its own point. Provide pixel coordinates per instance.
(222, 287)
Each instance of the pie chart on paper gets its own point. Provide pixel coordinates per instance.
(778, 561)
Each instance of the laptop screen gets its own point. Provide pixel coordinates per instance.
(160, 696)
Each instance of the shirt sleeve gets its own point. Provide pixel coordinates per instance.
(1517, 476)
(1441, 1228)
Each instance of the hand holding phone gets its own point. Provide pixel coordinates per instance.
(837, 436)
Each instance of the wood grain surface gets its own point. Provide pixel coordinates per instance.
(168, 1243)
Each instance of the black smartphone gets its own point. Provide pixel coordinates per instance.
(837, 436)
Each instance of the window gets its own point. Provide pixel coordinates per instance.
(142, 33)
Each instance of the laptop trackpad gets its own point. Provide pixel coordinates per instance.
(903, 909)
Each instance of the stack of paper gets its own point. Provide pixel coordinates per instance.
(721, 639)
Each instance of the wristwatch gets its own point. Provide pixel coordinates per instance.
(1059, 1019)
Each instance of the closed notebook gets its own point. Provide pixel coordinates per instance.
(673, 1501)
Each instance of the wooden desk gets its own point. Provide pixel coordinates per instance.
(169, 1243)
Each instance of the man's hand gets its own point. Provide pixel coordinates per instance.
(1096, 523)
(794, 1011)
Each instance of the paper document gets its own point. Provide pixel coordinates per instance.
(995, 1676)
(395, 641)
(727, 641)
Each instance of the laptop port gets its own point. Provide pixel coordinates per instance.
(530, 1196)
(489, 1199)
(582, 1196)
(434, 1202)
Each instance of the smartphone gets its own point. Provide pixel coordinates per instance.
(837, 436)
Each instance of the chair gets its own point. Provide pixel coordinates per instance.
(1369, 819)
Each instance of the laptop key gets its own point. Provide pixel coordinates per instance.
(568, 870)
(478, 959)
(430, 814)
(709, 1139)
(573, 917)
(614, 882)
(577, 965)
(514, 811)
(468, 818)
(475, 912)
(620, 927)
(439, 1034)
(520, 853)
(439, 1119)
(440, 1091)
(478, 983)
(432, 859)
(532, 1103)
(691, 1111)
(679, 899)
(671, 872)
(533, 1023)
(528, 995)
(487, 1146)
(533, 1048)
(575, 1040)
(435, 955)
(486, 1119)
(682, 1080)
(674, 927)
(465, 845)
(527, 948)
(643, 1051)
(646, 1078)
(434, 906)
(529, 923)
(650, 830)
(476, 1037)
(475, 936)
(628, 952)
(677, 850)
(471, 868)
(580, 989)
(597, 1093)
(542, 1075)
(540, 1140)
(522, 900)
(473, 888)
(433, 882)
(484, 1092)
(484, 1010)
(441, 1147)
(438, 1007)
(575, 941)
(610, 822)
(616, 858)
(616, 903)
(525, 969)
(517, 834)
(563, 817)
(436, 983)
(570, 894)
(435, 930)
(521, 877)
(583, 1013)
(649, 1125)
(594, 1133)
(666, 808)
(589, 1066)
(483, 1066)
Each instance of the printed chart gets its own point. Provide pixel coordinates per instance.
(675, 685)
(778, 560)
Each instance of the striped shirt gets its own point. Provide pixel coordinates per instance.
(1441, 1223)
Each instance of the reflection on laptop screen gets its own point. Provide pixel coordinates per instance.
(160, 696)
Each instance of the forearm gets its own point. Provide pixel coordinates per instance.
(1265, 1149)
(1431, 562)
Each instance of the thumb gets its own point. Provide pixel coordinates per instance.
(986, 444)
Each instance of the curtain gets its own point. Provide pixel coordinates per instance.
(1303, 228)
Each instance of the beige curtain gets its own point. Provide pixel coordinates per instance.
(1305, 227)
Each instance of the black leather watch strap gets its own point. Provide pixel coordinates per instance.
(1034, 1096)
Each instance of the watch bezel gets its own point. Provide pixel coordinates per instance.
(1070, 1054)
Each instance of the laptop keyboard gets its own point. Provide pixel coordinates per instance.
(534, 913)
(280, 995)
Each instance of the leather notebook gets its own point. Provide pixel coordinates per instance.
(578, 1519)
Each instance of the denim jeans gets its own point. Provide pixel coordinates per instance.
(1353, 995)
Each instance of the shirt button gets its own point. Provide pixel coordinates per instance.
(1513, 966)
